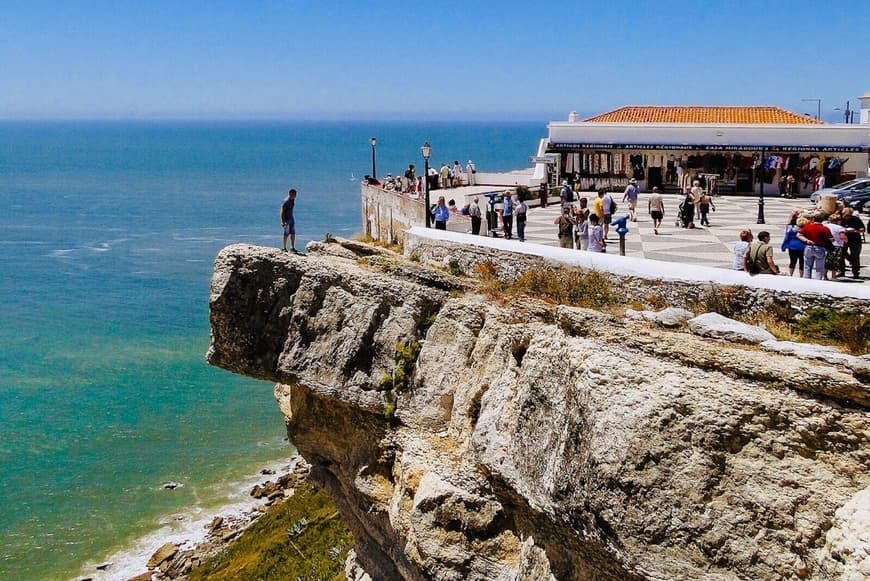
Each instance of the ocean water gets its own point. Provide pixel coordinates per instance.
(108, 232)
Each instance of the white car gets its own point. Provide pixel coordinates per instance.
(841, 189)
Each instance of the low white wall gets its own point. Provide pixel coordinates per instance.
(636, 278)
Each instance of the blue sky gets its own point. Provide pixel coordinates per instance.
(423, 60)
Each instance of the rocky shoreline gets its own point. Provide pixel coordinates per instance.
(175, 560)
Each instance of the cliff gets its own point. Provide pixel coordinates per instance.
(466, 438)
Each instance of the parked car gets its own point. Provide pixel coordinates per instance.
(841, 189)
(856, 199)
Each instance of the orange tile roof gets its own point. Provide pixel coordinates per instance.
(724, 115)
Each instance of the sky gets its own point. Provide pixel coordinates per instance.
(385, 60)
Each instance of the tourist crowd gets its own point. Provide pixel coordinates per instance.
(410, 182)
(818, 244)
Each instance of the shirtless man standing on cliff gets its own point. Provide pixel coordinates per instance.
(288, 222)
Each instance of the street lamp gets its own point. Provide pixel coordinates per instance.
(426, 151)
(818, 107)
(760, 171)
(847, 113)
(374, 142)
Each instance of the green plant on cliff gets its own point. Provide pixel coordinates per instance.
(569, 286)
(728, 301)
(406, 358)
(454, 268)
(524, 193)
(851, 330)
(266, 550)
(400, 379)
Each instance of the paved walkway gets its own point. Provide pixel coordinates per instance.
(709, 246)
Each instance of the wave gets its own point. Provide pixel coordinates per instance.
(186, 529)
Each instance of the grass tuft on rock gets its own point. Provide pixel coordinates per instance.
(300, 538)
(822, 325)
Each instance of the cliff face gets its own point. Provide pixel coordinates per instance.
(528, 441)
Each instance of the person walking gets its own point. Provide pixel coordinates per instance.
(288, 222)
(705, 204)
(608, 205)
(441, 213)
(793, 245)
(507, 215)
(656, 206)
(581, 225)
(598, 204)
(566, 194)
(520, 209)
(474, 212)
(545, 191)
(630, 195)
(816, 237)
(597, 243)
(854, 239)
(687, 210)
(566, 228)
(759, 258)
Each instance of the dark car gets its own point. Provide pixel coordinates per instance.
(857, 199)
(841, 190)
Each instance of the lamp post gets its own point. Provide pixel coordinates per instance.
(426, 151)
(760, 172)
(818, 107)
(847, 112)
(374, 142)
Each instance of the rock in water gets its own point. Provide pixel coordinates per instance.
(528, 441)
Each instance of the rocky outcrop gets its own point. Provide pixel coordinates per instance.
(467, 439)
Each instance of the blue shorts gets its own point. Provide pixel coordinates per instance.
(290, 227)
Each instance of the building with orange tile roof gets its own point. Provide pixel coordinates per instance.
(736, 148)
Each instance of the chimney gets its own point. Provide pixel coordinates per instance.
(574, 118)
(865, 109)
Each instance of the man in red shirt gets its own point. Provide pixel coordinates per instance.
(816, 237)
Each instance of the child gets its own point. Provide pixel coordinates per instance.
(596, 235)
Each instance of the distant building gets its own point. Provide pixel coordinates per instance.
(730, 149)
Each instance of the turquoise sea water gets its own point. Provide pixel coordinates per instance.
(107, 236)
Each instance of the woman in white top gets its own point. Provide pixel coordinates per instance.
(740, 249)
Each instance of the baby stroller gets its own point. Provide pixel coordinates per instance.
(686, 214)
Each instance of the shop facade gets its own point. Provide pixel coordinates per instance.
(727, 149)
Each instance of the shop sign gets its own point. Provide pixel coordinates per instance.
(542, 159)
(707, 147)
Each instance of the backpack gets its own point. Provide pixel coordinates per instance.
(565, 227)
(612, 205)
(752, 263)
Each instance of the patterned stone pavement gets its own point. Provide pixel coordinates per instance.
(710, 246)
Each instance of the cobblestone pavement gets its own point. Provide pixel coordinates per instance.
(710, 246)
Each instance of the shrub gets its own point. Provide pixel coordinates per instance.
(824, 325)
(570, 286)
(728, 301)
(524, 193)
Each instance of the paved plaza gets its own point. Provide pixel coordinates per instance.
(709, 246)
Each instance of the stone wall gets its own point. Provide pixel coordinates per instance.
(387, 215)
(695, 284)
